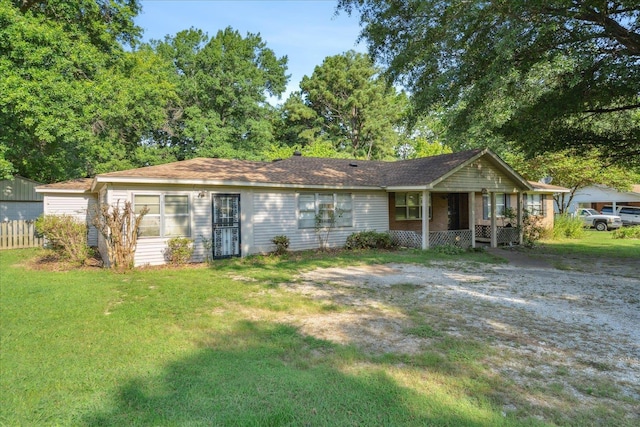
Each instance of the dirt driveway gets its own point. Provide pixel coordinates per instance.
(565, 338)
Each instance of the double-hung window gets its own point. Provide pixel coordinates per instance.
(409, 206)
(168, 215)
(534, 204)
(325, 210)
(502, 203)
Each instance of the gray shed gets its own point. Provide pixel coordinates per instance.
(19, 200)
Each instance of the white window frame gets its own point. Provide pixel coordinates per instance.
(502, 202)
(324, 202)
(163, 216)
(534, 207)
(407, 206)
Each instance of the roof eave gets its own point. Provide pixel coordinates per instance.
(223, 183)
(63, 190)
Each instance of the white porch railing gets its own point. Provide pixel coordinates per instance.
(461, 238)
(504, 235)
(406, 239)
(413, 239)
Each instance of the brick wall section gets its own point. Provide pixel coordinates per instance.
(440, 220)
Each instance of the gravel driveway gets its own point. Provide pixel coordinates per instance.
(573, 335)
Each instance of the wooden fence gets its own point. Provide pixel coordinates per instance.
(19, 234)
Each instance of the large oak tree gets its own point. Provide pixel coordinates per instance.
(223, 82)
(73, 101)
(544, 74)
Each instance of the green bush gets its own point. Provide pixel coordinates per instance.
(65, 235)
(369, 240)
(282, 244)
(179, 250)
(533, 230)
(627, 233)
(568, 227)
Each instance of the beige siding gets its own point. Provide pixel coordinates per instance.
(371, 211)
(200, 225)
(276, 213)
(264, 214)
(102, 246)
(80, 206)
(476, 176)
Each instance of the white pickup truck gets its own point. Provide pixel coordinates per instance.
(592, 218)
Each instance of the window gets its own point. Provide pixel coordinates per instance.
(326, 208)
(168, 215)
(409, 206)
(534, 204)
(502, 203)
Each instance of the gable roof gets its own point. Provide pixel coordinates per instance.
(298, 171)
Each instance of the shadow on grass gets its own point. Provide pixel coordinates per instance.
(268, 375)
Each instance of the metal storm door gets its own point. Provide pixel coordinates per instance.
(226, 225)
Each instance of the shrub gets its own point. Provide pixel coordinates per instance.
(369, 240)
(282, 244)
(568, 227)
(179, 250)
(66, 235)
(533, 230)
(119, 227)
(627, 233)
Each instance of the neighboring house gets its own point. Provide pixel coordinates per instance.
(240, 206)
(19, 200)
(597, 196)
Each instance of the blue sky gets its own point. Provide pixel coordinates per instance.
(306, 31)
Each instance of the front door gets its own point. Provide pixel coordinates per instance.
(454, 211)
(226, 225)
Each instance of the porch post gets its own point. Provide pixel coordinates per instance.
(494, 231)
(520, 225)
(472, 217)
(425, 220)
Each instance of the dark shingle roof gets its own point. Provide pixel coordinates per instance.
(296, 170)
(425, 170)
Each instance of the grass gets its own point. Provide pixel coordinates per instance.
(163, 346)
(596, 244)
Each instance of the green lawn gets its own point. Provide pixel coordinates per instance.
(181, 347)
(596, 244)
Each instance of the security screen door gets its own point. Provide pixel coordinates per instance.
(226, 225)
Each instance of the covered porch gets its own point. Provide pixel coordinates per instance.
(457, 203)
(457, 219)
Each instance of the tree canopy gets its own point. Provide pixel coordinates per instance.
(73, 101)
(345, 102)
(546, 75)
(223, 86)
(573, 171)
